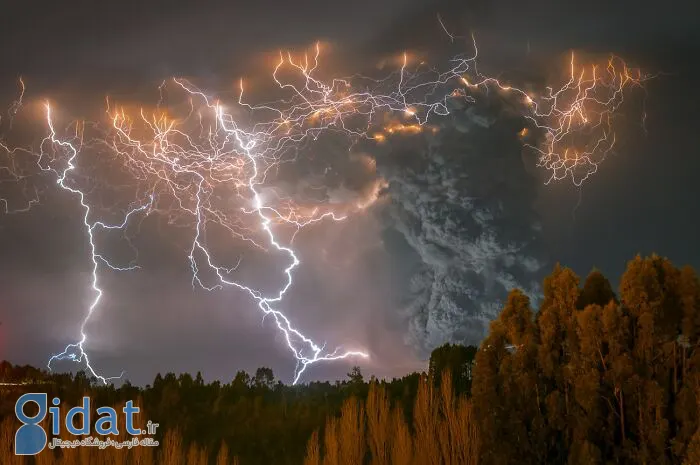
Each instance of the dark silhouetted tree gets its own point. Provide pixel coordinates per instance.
(264, 378)
(458, 360)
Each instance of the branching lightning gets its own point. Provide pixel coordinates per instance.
(212, 168)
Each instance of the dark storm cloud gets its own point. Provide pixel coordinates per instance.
(85, 47)
(457, 227)
(645, 28)
(75, 54)
(524, 41)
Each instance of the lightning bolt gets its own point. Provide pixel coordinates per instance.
(16, 106)
(76, 352)
(181, 165)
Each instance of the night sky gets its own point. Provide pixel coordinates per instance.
(643, 199)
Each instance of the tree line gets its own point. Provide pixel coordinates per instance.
(590, 377)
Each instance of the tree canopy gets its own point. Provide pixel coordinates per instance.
(590, 377)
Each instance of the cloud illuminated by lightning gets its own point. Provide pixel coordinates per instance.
(188, 168)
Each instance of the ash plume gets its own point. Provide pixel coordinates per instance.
(460, 223)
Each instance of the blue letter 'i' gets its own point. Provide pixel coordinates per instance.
(55, 417)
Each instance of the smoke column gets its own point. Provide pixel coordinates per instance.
(461, 221)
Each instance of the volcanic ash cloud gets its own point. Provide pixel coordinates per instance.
(460, 223)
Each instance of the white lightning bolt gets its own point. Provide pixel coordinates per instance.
(76, 352)
(186, 166)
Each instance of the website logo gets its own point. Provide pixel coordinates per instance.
(31, 438)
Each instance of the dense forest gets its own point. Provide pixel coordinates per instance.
(589, 377)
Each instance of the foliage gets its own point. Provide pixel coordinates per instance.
(458, 360)
(259, 420)
(441, 432)
(588, 378)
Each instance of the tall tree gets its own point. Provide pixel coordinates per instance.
(596, 290)
(458, 360)
(264, 378)
(558, 346)
(506, 392)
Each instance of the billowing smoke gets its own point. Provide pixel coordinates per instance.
(460, 222)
